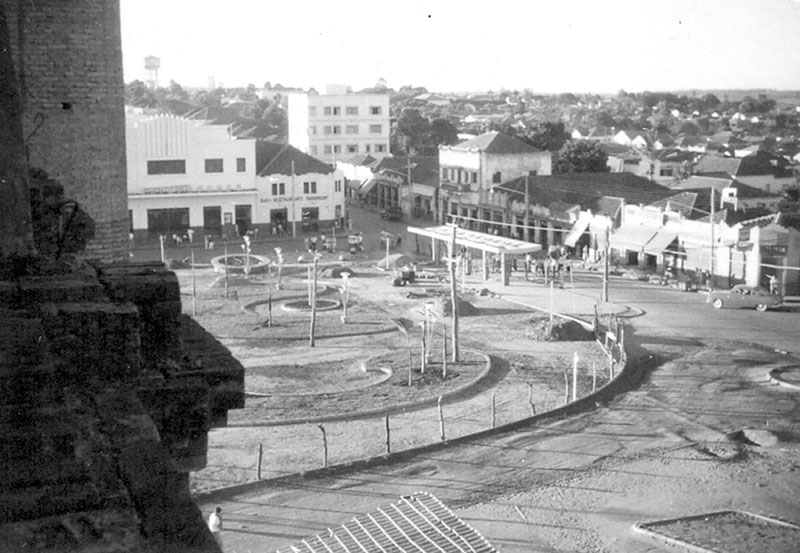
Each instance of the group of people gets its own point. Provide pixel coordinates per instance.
(322, 244)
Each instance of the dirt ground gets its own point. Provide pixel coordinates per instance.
(359, 371)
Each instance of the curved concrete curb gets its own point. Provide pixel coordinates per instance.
(393, 410)
(629, 374)
(776, 378)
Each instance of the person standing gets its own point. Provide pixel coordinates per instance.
(215, 525)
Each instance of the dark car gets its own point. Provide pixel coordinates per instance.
(392, 213)
(742, 295)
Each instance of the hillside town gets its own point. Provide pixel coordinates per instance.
(691, 185)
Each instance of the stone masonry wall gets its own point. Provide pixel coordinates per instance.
(68, 57)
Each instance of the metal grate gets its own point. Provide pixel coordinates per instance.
(418, 523)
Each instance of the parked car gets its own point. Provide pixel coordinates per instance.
(392, 213)
(742, 295)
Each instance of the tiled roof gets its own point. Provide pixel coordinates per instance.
(273, 158)
(589, 190)
(418, 523)
(717, 164)
(495, 143)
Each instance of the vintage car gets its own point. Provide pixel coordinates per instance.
(742, 295)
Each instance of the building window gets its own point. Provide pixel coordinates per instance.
(375, 110)
(337, 129)
(337, 185)
(352, 110)
(327, 129)
(327, 148)
(381, 148)
(352, 148)
(214, 165)
(332, 110)
(665, 172)
(452, 174)
(278, 188)
(351, 129)
(375, 129)
(474, 176)
(310, 187)
(443, 171)
(337, 149)
(497, 178)
(168, 221)
(166, 167)
(312, 150)
(367, 148)
(241, 165)
(312, 130)
(312, 111)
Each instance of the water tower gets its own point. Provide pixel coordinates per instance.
(151, 65)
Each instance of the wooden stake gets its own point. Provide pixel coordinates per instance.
(575, 377)
(566, 388)
(494, 407)
(194, 289)
(444, 350)
(594, 376)
(441, 418)
(388, 440)
(225, 261)
(260, 455)
(530, 399)
(324, 446)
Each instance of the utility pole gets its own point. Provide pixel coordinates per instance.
(526, 215)
(606, 262)
(453, 291)
(712, 236)
(294, 215)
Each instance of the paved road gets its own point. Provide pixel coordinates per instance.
(700, 380)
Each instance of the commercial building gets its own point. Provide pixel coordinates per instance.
(339, 124)
(187, 174)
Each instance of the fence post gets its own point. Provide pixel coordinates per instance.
(566, 388)
(194, 289)
(441, 418)
(324, 446)
(575, 376)
(388, 440)
(444, 350)
(260, 455)
(530, 399)
(494, 412)
(594, 376)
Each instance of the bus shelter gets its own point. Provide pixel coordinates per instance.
(505, 248)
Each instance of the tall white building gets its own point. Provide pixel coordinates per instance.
(339, 124)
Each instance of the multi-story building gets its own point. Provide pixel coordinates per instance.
(468, 171)
(187, 174)
(339, 124)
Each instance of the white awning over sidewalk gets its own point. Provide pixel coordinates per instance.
(631, 237)
(575, 234)
(661, 241)
(478, 240)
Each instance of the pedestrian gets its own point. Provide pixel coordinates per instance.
(190, 235)
(773, 284)
(215, 525)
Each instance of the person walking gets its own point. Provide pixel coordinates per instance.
(215, 525)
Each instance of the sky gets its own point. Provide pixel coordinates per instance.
(465, 45)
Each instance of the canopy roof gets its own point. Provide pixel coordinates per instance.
(478, 240)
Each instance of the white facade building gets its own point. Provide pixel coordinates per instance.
(186, 174)
(337, 126)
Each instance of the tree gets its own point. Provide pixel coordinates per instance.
(137, 94)
(443, 132)
(411, 133)
(549, 135)
(581, 156)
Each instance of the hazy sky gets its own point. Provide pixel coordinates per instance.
(459, 45)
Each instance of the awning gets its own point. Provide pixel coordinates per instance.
(368, 185)
(633, 237)
(575, 234)
(478, 240)
(660, 241)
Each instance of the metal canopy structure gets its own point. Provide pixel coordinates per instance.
(490, 243)
(661, 241)
(575, 234)
(418, 523)
(632, 237)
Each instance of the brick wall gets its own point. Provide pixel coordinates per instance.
(68, 57)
